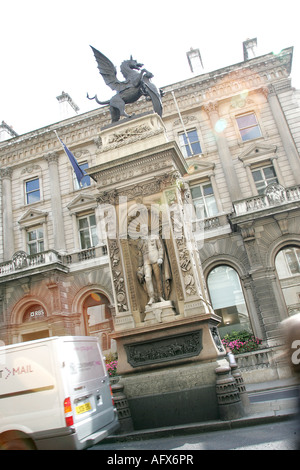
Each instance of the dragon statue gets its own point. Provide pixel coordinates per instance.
(137, 83)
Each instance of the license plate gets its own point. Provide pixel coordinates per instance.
(83, 408)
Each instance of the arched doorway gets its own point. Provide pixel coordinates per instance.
(98, 320)
(287, 263)
(228, 300)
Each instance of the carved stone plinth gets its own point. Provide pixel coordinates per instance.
(159, 312)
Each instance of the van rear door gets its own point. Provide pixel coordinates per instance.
(88, 384)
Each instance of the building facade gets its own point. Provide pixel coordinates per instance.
(238, 130)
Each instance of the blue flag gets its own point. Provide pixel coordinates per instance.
(78, 171)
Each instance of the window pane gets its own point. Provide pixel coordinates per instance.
(92, 219)
(211, 206)
(250, 133)
(33, 197)
(32, 235)
(193, 136)
(246, 121)
(94, 236)
(196, 148)
(85, 239)
(83, 223)
(32, 185)
(207, 189)
(196, 192)
(257, 175)
(269, 172)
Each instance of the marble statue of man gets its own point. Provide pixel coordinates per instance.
(151, 258)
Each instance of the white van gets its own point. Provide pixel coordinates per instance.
(55, 394)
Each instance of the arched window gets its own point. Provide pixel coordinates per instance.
(228, 299)
(287, 263)
(98, 319)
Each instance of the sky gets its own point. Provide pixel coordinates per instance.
(45, 46)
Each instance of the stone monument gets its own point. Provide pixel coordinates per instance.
(164, 326)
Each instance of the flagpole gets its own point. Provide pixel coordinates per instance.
(182, 123)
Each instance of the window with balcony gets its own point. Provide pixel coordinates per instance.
(248, 126)
(32, 191)
(86, 180)
(204, 200)
(88, 231)
(189, 143)
(264, 176)
(228, 300)
(35, 241)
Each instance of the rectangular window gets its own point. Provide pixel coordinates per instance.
(204, 200)
(32, 189)
(263, 177)
(189, 143)
(87, 231)
(35, 241)
(86, 180)
(248, 127)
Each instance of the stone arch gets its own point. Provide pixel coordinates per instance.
(230, 260)
(279, 244)
(84, 292)
(19, 309)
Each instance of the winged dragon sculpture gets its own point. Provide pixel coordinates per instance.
(137, 83)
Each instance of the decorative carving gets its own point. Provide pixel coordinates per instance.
(216, 337)
(118, 275)
(20, 260)
(129, 133)
(6, 172)
(275, 193)
(164, 349)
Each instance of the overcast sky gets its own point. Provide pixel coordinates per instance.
(45, 46)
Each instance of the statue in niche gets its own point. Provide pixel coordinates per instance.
(137, 83)
(153, 268)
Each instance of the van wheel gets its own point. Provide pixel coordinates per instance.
(13, 441)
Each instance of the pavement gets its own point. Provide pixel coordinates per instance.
(269, 402)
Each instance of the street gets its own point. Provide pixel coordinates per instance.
(274, 436)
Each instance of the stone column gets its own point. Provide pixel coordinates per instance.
(8, 231)
(56, 203)
(285, 133)
(224, 154)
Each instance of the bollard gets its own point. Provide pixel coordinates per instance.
(236, 374)
(122, 406)
(229, 400)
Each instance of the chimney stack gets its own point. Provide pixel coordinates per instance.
(195, 61)
(249, 47)
(6, 132)
(67, 106)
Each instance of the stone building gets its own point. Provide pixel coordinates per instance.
(239, 135)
